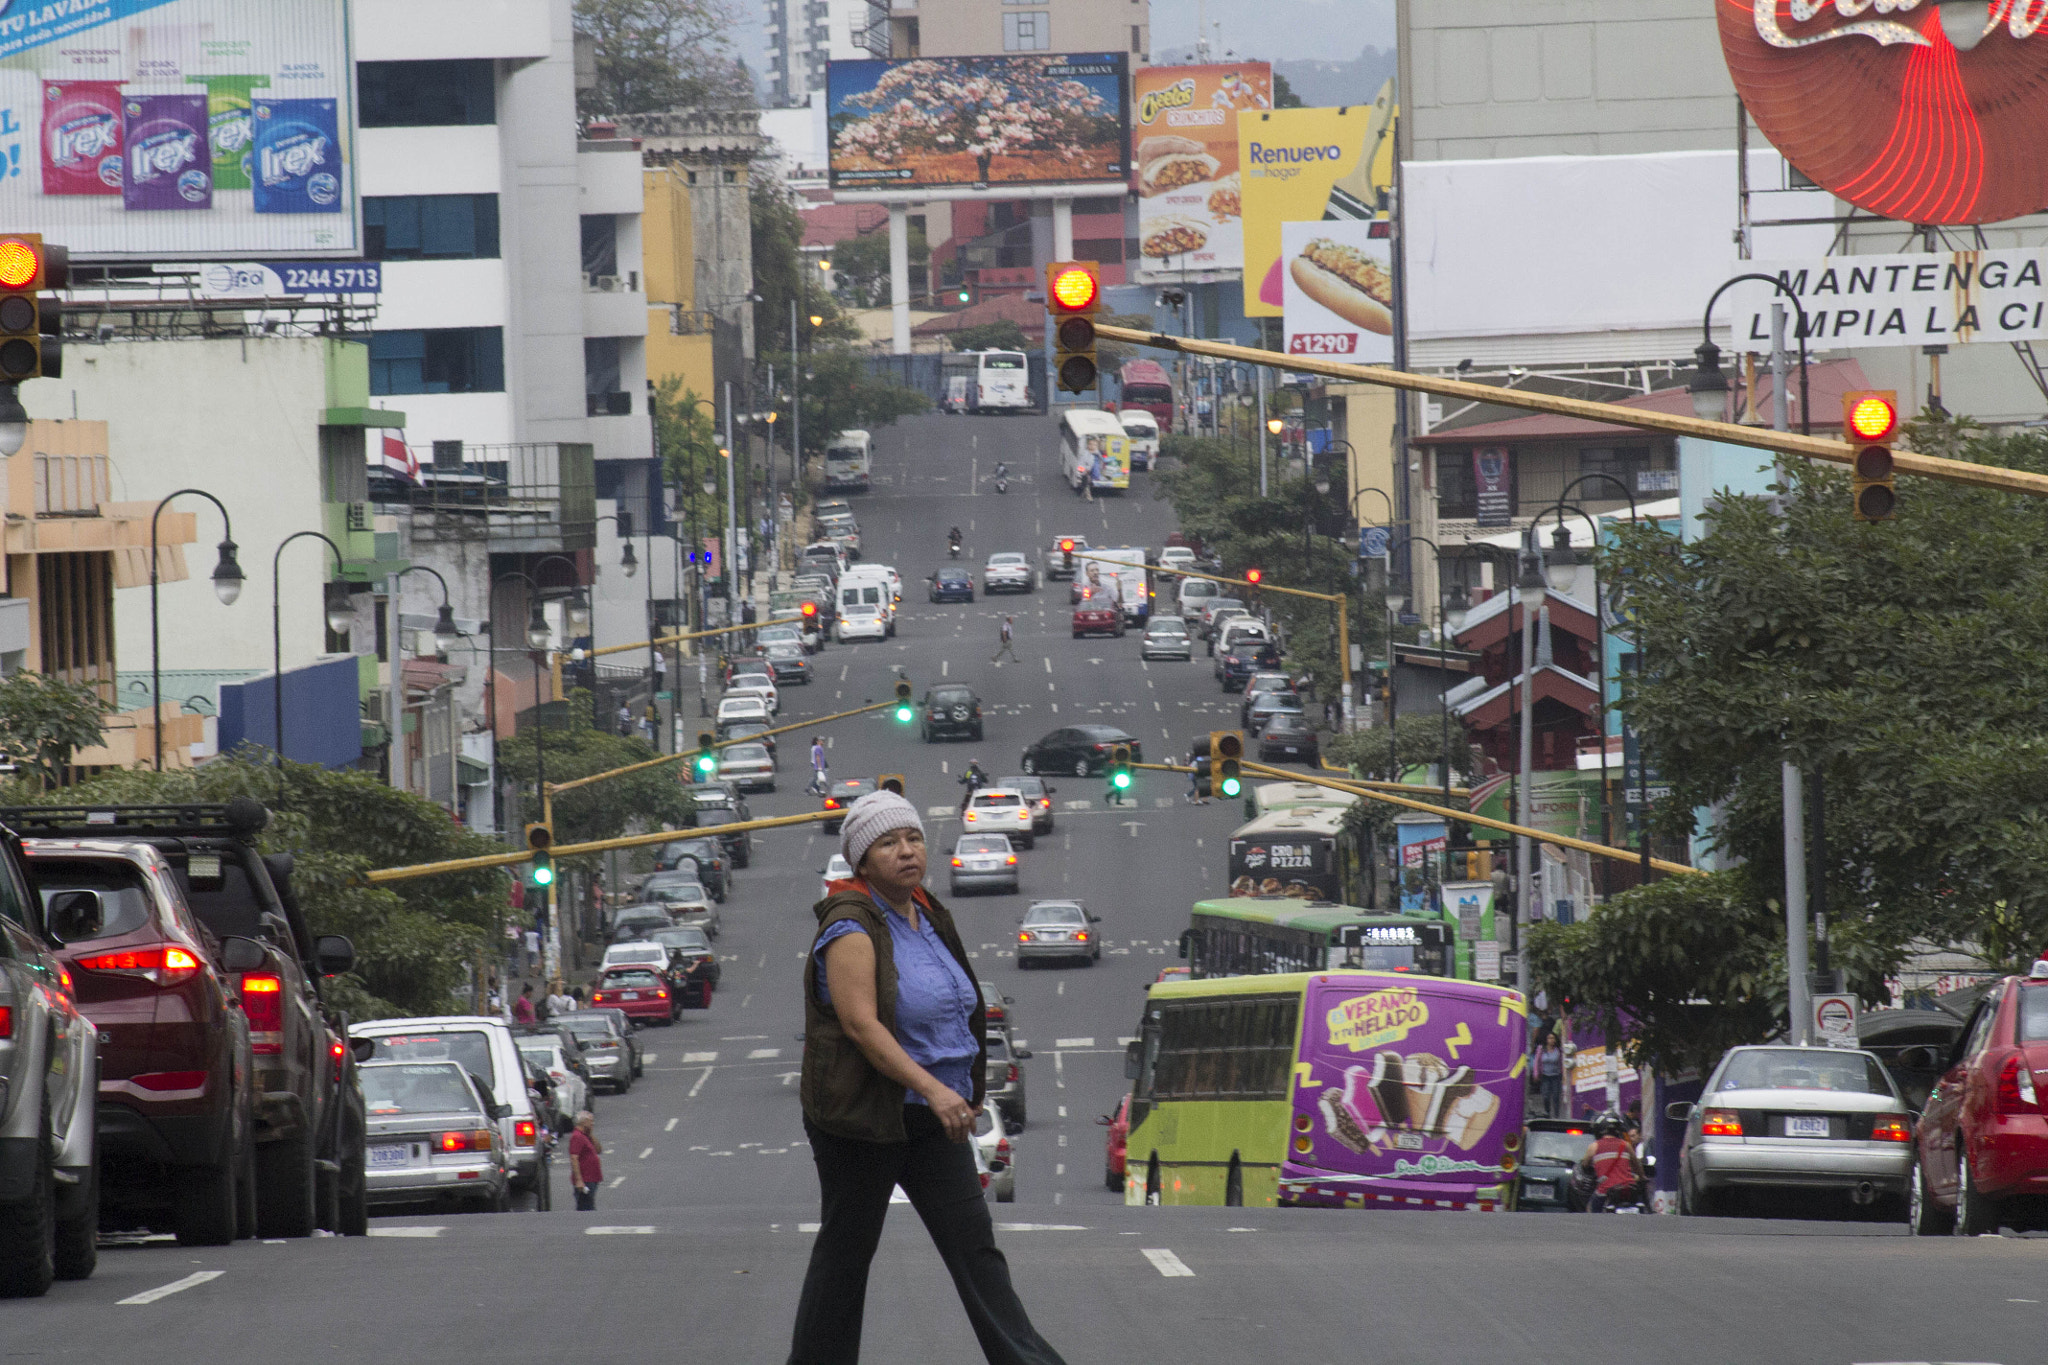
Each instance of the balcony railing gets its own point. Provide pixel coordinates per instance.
(524, 498)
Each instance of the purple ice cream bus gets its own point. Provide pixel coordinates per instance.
(1340, 1089)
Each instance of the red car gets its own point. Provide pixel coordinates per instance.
(177, 1149)
(1119, 1125)
(639, 991)
(1982, 1141)
(1098, 613)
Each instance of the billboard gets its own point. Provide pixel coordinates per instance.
(1184, 160)
(1337, 290)
(1924, 114)
(180, 129)
(1906, 300)
(940, 122)
(1302, 166)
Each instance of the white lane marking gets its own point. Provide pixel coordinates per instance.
(944, 666)
(1059, 1168)
(747, 1000)
(806, 1227)
(648, 1057)
(1075, 1042)
(1063, 1139)
(407, 1232)
(745, 1037)
(763, 1054)
(645, 1152)
(938, 810)
(1166, 1263)
(1063, 1111)
(842, 671)
(164, 1291)
(700, 1082)
(616, 1183)
(1048, 663)
(947, 768)
(670, 1126)
(699, 1058)
(1040, 1227)
(1240, 1229)
(786, 1077)
(620, 1230)
(1062, 990)
(772, 1151)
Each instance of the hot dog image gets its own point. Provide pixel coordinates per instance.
(1346, 281)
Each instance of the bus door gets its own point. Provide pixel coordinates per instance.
(1405, 1082)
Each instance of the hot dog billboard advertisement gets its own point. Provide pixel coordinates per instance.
(1184, 163)
(180, 129)
(1301, 166)
(1337, 291)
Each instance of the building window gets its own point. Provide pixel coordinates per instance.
(1136, 45)
(438, 360)
(426, 94)
(431, 227)
(1027, 32)
(1457, 494)
(600, 245)
(601, 392)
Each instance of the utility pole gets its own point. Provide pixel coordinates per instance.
(729, 562)
(1798, 993)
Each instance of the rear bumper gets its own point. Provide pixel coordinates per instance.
(1006, 880)
(127, 1133)
(470, 1180)
(1075, 951)
(1801, 1163)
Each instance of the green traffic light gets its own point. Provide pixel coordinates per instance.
(903, 714)
(1121, 781)
(543, 875)
(1231, 786)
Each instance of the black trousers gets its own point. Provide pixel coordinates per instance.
(855, 1180)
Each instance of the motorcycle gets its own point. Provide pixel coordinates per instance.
(952, 549)
(1002, 478)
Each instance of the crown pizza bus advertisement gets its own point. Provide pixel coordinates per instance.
(1184, 164)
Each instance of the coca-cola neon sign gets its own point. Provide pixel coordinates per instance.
(1910, 109)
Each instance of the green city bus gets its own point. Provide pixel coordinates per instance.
(1259, 935)
(1337, 1089)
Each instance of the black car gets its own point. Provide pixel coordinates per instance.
(842, 794)
(738, 846)
(1288, 737)
(788, 663)
(1245, 658)
(951, 585)
(707, 855)
(1550, 1154)
(950, 712)
(1082, 750)
(1038, 794)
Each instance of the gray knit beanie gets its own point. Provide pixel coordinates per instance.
(869, 818)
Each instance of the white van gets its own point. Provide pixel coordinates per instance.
(485, 1047)
(1143, 429)
(1193, 593)
(849, 461)
(868, 588)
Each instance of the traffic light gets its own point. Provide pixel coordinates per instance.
(1254, 576)
(540, 841)
(904, 710)
(31, 326)
(1120, 767)
(707, 756)
(1073, 294)
(891, 782)
(1869, 417)
(1226, 751)
(1067, 555)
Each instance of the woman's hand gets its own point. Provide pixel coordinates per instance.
(954, 1114)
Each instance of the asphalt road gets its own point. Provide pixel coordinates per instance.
(698, 1247)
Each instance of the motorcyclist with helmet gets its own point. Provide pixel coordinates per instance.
(1610, 1166)
(953, 542)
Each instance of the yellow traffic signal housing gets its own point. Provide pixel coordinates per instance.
(1120, 767)
(1870, 417)
(31, 325)
(1226, 754)
(540, 841)
(1073, 295)
(707, 756)
(891, 782)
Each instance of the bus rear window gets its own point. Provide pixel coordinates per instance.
(1003, 362)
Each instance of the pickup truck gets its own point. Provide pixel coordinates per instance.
(308, 1111)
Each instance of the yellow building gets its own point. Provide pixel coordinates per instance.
(679, 332)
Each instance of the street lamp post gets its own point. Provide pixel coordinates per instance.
(1709, 387)
(1449, 616)
(1530, 589)
(538, 637)
(445, 637)
(341, 615)
(227, 586)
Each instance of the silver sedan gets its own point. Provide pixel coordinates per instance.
(433, 1137)
(984, 862)
(1795, 1118)
(1166, 637)
(1058, 931)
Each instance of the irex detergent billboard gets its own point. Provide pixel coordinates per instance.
(179, 129)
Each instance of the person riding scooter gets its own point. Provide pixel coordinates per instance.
(953, 542)
(975, 778)
(1610, 1167)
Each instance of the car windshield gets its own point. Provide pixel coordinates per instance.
(634, 978)
(124, 896)
(427, 1088)
(747, 753)
(586, 1027)
(1219, 605)
(1566, 1148)
(680, 938)
(984, 843)
(852, 787)
(1804, 1069)
(1166, 628)
(1055, 914)
(998, 1050)
(1292, 722)
(689, 892)
(1006, 561)
(1029, 786)
(947, 696)
(785, 649)
(544, 1053)
(987, 800)
(469, 1049)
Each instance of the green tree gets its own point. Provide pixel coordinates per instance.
(660, 54)
(861, 265)
(44, 720)
(1901, 662)
(637, 802)
(1001, 335)
(1283, 93)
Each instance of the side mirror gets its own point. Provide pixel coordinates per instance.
(1011, 1128)
(72, 916)
(334, 954)
(363, 1049)
(501, 1111)
(1679, 1111)
(1922, 1058)
(1022, 1054)
(1104, 1121)
(238, 955)
(1095, 919)
(1008, 1001)
(1134, 1059)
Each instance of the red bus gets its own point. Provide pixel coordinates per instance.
(1145, 384)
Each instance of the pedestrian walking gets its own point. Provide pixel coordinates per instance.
(522, 1008)
(625, 718)
(532, 951)
(894, 1104)
(1008, 645)
(821, 778)
(650, 723)
(1550, 1075)
(586, 1164)
(559, 1001)
(747, 612)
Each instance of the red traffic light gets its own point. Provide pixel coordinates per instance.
(20, 262)
(1872, 417)
(1074, 288)
(810, 609)
(1067, 547)
(1253, 576)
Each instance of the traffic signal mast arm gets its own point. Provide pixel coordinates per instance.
(381, 875)
(1676, 424)
(557, 788)
(1463, 817)
(555, 657)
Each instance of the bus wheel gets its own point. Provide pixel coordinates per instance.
(1233, 1185)
(1152, 1180)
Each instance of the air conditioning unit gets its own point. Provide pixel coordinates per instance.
(605, 284)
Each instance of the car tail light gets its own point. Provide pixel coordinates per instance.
(958, 863)
(524, 1133)
(831, 803)
(1010, 1074)
(466, 1140)
(1080, 935)
(6, 1021)
(1013, 860)
(599, 997)
(2016, 1087)
(971, 817)
(170, 1080)
(1891, 1128)
(339, 1053)
(1045, 801)
(164, 966)
(1002, 1153)
(661, 995)
(1721, 1123)
(984, 1179)
(263, 1003)
(1025, 936)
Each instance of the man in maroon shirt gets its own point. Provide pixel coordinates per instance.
(586, 1169)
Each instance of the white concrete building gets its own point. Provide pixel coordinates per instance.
(803, 35)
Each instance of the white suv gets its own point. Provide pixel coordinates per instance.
(999, 810)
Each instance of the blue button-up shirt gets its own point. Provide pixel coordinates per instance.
(935, 1000)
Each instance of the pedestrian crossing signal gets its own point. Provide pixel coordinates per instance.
(1226, 753)
(707, 756)
(904, 710)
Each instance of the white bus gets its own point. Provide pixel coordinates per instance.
(1085, 434)
(850, 462)
(986, 381)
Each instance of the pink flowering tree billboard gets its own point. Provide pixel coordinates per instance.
(934, 121)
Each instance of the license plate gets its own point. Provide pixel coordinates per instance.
(629, 995)
(390, 1156)
(1802, 1127)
